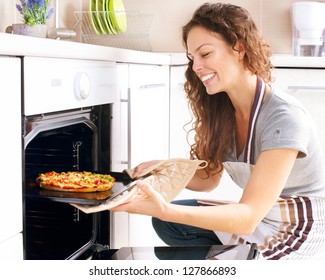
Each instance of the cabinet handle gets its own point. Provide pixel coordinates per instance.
(307, 87)
(129, 154)
(152, 86)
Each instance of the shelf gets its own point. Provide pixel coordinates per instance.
(135, 37)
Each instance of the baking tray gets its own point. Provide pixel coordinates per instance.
(122, 181)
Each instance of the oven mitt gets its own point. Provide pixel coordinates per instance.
(168, 177)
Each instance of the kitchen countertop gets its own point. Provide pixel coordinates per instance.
(18, 45)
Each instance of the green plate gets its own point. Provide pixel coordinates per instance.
(108, 20)
(93, 20)
(101, 18)
(105, 19)
(117, 15)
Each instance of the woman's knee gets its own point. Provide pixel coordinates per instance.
(157, 224)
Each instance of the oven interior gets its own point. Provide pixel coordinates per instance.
(56, 230)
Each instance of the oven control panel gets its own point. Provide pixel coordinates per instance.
(55, 84)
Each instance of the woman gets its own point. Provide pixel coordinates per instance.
(262, 137)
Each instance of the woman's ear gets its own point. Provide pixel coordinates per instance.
(240, 48)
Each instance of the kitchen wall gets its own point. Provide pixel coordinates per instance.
(271, 16)
(10, 15)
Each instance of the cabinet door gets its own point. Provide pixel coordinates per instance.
(119, 121)
(308, 86)
(140, 126)
(119, 221)
(149, 134)
(149, 113)
(10, 149)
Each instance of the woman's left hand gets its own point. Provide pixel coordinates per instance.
(152, 204)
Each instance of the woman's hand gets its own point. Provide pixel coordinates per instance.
(152, 204)
(142, 166)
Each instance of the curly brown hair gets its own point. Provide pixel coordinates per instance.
(214, 114)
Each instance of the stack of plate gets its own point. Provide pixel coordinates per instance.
(107, 16)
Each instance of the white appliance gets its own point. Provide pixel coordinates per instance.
(66, 121)
(308, 25)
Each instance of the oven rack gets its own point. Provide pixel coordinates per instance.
(136, 36)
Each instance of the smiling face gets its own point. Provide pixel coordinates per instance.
(215, 62)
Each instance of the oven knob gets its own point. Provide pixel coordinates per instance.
(82, 85)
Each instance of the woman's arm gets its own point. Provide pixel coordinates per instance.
(201, 182)
(264, 187)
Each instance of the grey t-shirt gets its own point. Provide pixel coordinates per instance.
(283, 122)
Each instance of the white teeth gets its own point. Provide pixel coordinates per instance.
(207, 77)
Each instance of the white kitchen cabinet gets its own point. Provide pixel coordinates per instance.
(308, 86)
(149, 133)
(120, 121)
(149, 113)
(10, 157)
(141, 119)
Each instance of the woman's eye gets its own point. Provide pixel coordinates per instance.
(205, 54)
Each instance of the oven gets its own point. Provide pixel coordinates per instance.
(66, 120)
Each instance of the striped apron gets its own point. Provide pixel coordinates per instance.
(294, 228)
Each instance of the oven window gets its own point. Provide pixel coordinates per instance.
(54, 230)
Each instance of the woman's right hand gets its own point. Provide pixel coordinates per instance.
(151, 203)
(142, 166)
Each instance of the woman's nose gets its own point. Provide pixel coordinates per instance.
(197, 65)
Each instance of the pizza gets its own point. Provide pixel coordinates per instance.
(75, 181)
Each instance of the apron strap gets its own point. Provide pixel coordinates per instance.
(256, 107)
